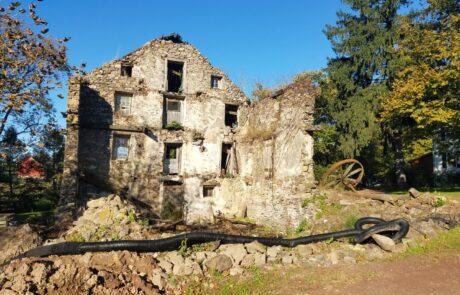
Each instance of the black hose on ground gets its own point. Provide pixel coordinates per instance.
(395, 229)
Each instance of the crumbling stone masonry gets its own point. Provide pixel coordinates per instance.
(163, 126)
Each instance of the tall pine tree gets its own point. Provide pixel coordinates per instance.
(362, 72)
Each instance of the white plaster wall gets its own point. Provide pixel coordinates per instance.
(198, 210)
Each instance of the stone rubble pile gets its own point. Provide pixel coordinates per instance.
(108, 218)
(126, 272)
(15, 241)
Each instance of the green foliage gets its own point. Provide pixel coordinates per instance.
(418, 147)
(326, 148)
(446, 241)
(182, 248)
(350, 221)
(101, 233)
(425, 92)
(326, 208)
(361, 72)
(228, 175)
(303, 226)
(174, 125)
(256, 282)
(260, 92)
(131, 216)
(143, 221)
(440, 202)
(32, 63)
(75, 237)
(34, 216)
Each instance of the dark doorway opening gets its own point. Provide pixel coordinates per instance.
(175, 76)
(231, 115)
(225, 158)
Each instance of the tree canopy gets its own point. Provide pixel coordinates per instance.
(426, 91)
(31, 62)
(362, 70)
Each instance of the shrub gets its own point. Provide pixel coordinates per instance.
(440, 202)
(174, 125)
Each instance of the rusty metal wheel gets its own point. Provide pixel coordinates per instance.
(348, 173)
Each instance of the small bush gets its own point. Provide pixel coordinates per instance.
(44, 204)
(303, 225)
(143, 221)
(75, 237)
(439, 202)
(131, 216)
(174, 125)
(228, 175)
(182, 248)
(350, 221)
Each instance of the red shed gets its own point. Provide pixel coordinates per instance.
(29, 168)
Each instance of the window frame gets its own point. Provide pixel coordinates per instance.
(181, 113)
(178, 157)
(228, 113)
(115, 153)
(183, 81)
(118, 105)
(126, 70)
(218, 79)
(208, 188)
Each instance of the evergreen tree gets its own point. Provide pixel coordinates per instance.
(362, 72)
(11, 150)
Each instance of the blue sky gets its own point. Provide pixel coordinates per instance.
(258, 40)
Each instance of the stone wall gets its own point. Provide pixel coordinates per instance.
(275, 160)
(272, 142)
(93, 122)
(70, 181)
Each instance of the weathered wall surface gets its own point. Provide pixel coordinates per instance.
(93, 122)
(275, 158)
(273, 147)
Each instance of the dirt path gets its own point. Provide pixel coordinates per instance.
(415, 275)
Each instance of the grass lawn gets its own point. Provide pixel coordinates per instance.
(263, 281)
(26, 216)
(444, 242)
(447, 192)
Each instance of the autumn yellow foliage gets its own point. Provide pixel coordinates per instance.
(426, 91)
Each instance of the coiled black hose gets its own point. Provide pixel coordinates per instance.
(396, 229)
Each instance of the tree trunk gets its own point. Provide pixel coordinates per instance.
(401, 178)
(10, 178)
(5, 119)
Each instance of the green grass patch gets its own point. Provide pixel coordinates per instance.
(446, 241)
(27, 216)
(257, 281)
(448, 192)
(350, 221)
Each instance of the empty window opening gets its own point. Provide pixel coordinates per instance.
(215, 82)
(225, 159)
(123, 103)
(126, 69)
(175, 76)
(172, 158)
(172, 111)
(231, 115)
(208, 191)
(120, 145)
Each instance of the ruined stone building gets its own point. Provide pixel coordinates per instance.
(163, 126)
